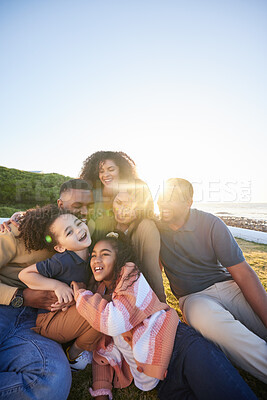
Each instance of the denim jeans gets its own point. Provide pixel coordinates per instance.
(198, 369)
(31, 366)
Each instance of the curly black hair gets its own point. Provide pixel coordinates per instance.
(35, 227)
(90, 170)
(125, 253)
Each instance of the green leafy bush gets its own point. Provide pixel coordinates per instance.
(20, 190)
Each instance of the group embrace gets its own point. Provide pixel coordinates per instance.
(81, 282)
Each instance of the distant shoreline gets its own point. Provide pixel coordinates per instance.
(246, 223)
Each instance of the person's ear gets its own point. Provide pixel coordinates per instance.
(60, 203)
(190, 202)
(59, 248)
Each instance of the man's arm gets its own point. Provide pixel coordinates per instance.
(8, 251)
(251, 287)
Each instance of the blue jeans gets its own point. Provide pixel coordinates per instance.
(199, 370)
(31, 366)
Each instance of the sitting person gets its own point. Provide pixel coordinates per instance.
(134, 213)
(31, 366)
(58, 229)
(146, 342)
(219, 293)
(106, 171)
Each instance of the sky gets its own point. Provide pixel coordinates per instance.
(178, 85)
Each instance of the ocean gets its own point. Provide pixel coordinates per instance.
(248, 210)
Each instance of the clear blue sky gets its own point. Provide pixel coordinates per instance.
(179, 85)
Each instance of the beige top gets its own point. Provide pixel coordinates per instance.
(13, 258)
(146, 240)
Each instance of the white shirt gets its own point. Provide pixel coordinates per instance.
(141, 380)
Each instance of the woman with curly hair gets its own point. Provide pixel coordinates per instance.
(133, 209)
(106, 171)
(57, 229)
(105, 168)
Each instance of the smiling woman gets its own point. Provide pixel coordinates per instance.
(106, 171)
(109, 175)
(134, 213)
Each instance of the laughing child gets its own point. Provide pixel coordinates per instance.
(57, 229)
(145, 341)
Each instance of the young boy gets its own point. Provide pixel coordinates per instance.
(53, 228)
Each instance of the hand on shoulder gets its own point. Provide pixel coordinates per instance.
(14, 220)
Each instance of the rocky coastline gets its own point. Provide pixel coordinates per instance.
(246, 223)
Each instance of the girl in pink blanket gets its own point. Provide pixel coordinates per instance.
(145, 342)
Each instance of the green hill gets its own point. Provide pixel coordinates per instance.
(20, 190)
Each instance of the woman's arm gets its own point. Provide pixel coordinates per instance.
(146, 240)
(31, 277)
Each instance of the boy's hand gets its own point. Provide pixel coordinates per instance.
(64, 292)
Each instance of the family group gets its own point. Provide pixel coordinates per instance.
(81, 282)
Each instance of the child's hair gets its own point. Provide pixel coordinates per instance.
(35, 227)
(124, 253)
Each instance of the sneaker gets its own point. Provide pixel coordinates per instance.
(81, 361)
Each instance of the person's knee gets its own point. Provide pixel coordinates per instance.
(55, 380)
(34, 368)
(58, 373)
(58, 380)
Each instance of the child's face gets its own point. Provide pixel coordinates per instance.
(71, 233)
(102, 261)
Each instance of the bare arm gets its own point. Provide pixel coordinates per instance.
(31, 277)
(251, 287)
(147, 240)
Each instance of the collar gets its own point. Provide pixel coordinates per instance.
(189, 226)
(76, 258)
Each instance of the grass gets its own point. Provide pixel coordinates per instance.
(256, 255)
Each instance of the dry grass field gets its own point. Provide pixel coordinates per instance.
(256, 255)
